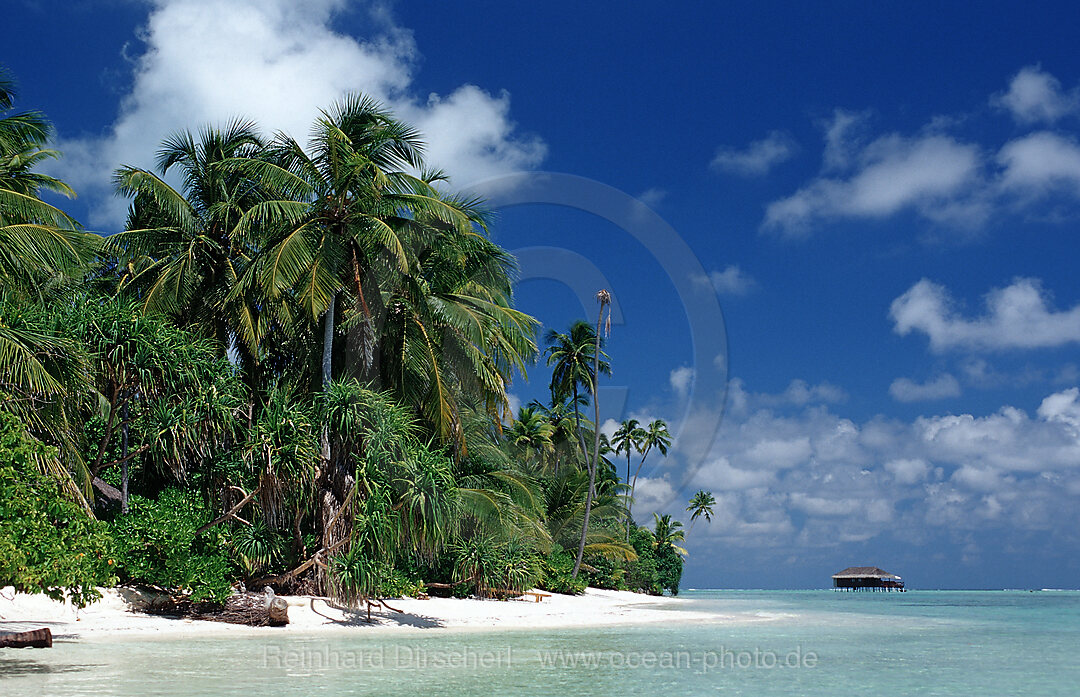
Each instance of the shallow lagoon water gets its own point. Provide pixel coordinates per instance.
(778, 643)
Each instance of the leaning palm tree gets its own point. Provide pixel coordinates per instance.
(701, 504)
(603, 297)
(667, 532)
(656, 436)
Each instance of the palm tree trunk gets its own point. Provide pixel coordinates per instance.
(633, 485)
(124, 461)
(596, 438)
(327, 366)
(328, 343)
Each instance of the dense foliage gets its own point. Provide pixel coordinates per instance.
(291, 369)
(48, 543)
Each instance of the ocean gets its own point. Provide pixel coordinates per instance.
(978, 643)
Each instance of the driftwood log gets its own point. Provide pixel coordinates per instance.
(254, 609)
(34, 639)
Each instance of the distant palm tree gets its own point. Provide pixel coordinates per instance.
(701, 505)
(604, 299)
(667, 532)
(656, 436)
(627, 439)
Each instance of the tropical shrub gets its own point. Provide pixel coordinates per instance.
(157, 544)
(558, 573)
(48, 543)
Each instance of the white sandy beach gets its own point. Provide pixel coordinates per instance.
(115, 615)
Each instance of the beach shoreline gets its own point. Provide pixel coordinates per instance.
(116, 615)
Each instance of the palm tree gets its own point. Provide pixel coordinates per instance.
(181, 252)
(627, 439)
(604, 299)
(37, 240)
(339, 212)
(574, 356)
(701, 504)
(656, 436)
(532, 434)
(667, 532)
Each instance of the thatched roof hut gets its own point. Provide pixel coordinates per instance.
(867, 578)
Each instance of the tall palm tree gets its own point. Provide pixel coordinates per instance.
(574, 356)
(338, 211)
(667, 532)
(603, 298)
(450, 327)
(181, 252)
(701, 504)
(656, 436)
(628, 439)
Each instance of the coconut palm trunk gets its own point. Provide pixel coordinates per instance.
(603, 297)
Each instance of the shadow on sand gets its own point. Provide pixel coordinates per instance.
(358, 618)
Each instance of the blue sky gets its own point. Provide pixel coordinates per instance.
(883, 200)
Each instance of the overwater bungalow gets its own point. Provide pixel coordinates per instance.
(867, 578)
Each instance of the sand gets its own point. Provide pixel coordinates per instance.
(116, 615)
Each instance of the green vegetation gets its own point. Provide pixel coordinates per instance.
(291, 368)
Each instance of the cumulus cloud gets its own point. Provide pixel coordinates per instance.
(1035, 96)
(279, 62)
(1018, 316)
(1040, 163)
(798, 393)
(941, 387)
(935, 174)
(931, 174)
(680, 379)
(812, 478)
(758, 157)
(731, 281)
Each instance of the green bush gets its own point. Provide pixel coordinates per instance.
(156, 544)
(603, 572)
(557, 573)
(642, 575)
(669, 566)
(48, 543)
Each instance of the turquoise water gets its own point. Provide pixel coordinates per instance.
(782, 643)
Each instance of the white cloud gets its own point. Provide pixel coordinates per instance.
(1062, 407)
(1017, 316)
(1040, 163)
(799, 393)
(1035, 95)
(652, 197)
(279, 62)
(814, 478)
(680, 379)
(731, 281)
(932, 174)
(515, 403)
(935, 174)
(758, 157)
(908, 471)
(941, 387)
